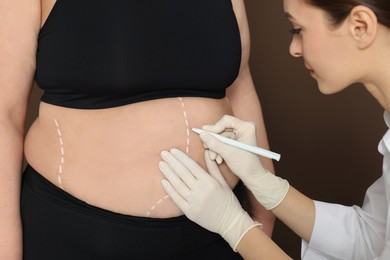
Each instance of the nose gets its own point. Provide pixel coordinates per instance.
(296, 47)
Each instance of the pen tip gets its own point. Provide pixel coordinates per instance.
(197, 130)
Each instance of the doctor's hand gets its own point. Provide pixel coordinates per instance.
(268, 189)
(204, 198)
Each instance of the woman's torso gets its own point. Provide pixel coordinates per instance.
(109, 158)
(105, 151)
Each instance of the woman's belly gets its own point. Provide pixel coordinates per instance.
(109, 157)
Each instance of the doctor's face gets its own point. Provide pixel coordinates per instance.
(326, 49)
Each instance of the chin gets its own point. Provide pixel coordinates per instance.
(328, 89)
(327, 92)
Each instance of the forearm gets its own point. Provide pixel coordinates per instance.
(11, 237)
(246, 106)
(298, 212)
(257, 245)
(11, 151)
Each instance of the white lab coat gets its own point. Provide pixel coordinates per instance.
(355, 233)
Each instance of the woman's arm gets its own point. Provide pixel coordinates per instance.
(19, 26)
(246, 105)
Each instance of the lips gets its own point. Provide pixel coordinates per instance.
(311, 71)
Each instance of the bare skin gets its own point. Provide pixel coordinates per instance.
(119, 147)
(108, 155)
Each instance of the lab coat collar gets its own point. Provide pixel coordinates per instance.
(384, 144)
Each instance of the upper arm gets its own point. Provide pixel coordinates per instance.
(240, 12)
(242, 88)
(242, 93)
(19, 27)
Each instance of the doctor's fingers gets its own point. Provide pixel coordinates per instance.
(223, 150)
(175, 195)
(228, 122)
(174, 180)
(215, 157)
(221, 125)
(193, 167)
(213, 169)
(243, 131)
(178, 168)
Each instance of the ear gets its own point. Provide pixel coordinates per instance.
(363, 25)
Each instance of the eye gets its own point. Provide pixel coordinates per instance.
(295, 31)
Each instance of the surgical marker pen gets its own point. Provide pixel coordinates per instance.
(250, 148)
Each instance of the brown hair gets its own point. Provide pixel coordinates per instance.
(338, 10)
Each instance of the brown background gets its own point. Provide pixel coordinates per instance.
(328, 143)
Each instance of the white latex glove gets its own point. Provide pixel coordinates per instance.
(205, 199)
(268, 189)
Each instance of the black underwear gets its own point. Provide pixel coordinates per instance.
(58, 226)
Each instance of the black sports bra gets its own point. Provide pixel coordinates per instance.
(106, 53)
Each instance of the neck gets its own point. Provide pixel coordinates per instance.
(377, 79)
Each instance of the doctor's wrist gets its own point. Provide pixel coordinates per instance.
(269, 190)
(238, 227)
